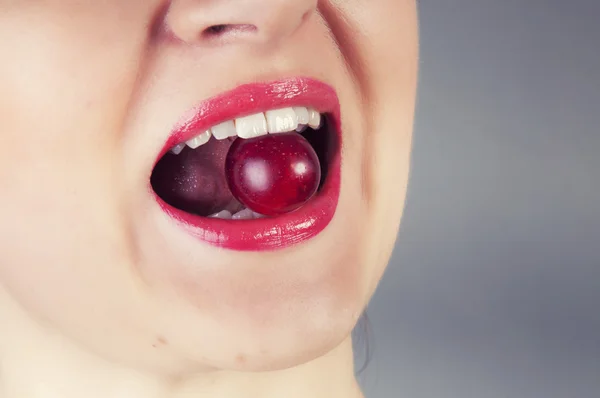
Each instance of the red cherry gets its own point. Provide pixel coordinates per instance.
(273, 174)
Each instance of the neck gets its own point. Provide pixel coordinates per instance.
(37, 363)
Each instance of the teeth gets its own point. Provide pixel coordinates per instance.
(199, 140)
(314, 119)
(301, 128)
(251, 126)
(224, 130)
(281, 120)
(178, 148)
(245, 214)
(225, 214)
(302, 114)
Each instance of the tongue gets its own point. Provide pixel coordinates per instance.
(194, 180)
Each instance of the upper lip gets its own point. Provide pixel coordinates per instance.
(252, 98)
(264, 233)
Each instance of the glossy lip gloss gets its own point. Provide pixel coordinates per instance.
(264, 233)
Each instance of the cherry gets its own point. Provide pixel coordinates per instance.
(273, 174)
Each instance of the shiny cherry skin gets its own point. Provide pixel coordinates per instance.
(273, 174)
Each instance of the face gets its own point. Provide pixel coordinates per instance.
(94, 93)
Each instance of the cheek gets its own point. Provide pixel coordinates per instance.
(63, 100)
(389, 42)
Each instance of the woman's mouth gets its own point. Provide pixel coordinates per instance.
(291, 128)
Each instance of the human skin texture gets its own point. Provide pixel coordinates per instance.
(102, 293)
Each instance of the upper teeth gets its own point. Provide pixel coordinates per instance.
(269, 122)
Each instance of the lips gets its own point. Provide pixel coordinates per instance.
(263, 233)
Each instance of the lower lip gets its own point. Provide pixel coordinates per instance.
(289, 229)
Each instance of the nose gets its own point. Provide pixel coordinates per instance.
(251, 21)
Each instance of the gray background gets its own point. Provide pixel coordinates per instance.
(494, 287)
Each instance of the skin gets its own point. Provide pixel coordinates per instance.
(100, 294)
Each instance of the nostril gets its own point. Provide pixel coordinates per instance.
(215, 30)
(227, 29)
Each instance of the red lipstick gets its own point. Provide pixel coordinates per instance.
(264, 233)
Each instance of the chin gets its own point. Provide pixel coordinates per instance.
(258, 310)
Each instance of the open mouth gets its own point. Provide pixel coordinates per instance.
(257, 168)
(195, 177)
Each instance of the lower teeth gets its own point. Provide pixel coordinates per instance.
(245, 214)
